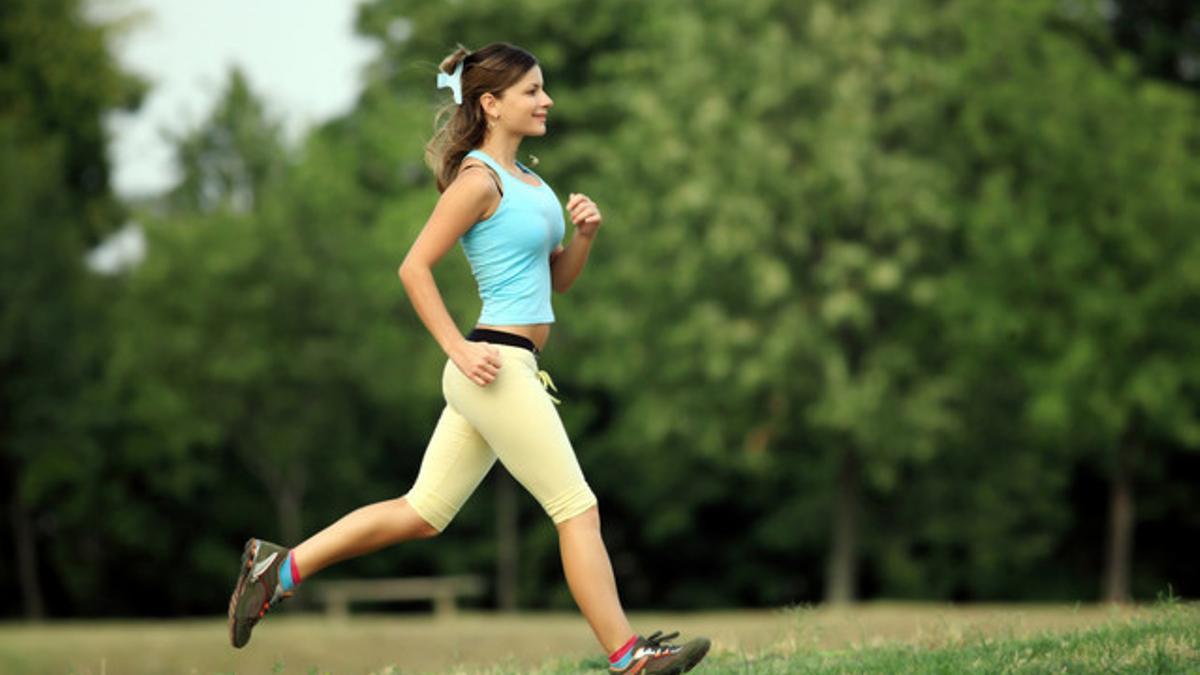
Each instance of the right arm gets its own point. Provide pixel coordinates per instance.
(464, 203)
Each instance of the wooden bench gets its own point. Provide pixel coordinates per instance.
(443, 591)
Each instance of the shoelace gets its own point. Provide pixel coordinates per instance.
(659, 641)
(548, 385)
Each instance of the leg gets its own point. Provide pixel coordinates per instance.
(590, 578)
(516, 417)
(455, 462)
(362, 531)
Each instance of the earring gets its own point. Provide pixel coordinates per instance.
(491, 124)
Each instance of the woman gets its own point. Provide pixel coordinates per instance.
(510, 224)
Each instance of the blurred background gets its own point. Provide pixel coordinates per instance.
(892, 299)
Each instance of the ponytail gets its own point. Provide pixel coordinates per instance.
(460, 128)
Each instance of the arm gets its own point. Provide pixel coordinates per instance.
(464, 203)
(567, 263)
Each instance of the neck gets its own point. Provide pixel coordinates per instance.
(502, 148)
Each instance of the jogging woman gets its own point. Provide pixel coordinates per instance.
(510, 224)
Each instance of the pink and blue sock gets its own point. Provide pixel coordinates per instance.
(289, 574)
(619, 659)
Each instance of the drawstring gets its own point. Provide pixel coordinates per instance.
(548, 385)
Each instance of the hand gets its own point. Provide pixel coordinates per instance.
(479, 361)
(584, 214)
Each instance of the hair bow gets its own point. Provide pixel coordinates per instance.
(453, 81)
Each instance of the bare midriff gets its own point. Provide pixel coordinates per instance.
(537, 332)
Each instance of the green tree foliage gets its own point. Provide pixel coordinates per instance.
(808, 225)
(802, 232)
(890, 299)
(573, 47)
(259, 352)
(770, 325)
(233, 159)
(57, 83)
(1079, 252)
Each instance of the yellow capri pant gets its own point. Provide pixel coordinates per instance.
(512, 419)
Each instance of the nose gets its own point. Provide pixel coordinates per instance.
(547, 101)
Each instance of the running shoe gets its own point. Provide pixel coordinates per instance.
(654, 656)
(257, 589)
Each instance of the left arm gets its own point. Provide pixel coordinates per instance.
(567, 263)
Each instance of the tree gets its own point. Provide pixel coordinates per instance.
(228, 162)
(414, 37)
(825, 225)
(58, 81)
(254, 326)
(803, 251)
(1076, 249)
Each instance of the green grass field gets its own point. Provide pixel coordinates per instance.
(883, 638)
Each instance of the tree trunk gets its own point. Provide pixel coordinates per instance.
(508, 542)
(841, 578)
(25, 543)
(288, 509)
(1118, 559)
(286, 485)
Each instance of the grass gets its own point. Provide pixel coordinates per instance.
(883, 638)
(1166, 640)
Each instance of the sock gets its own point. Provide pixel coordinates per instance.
(289, 574)
(622, 657)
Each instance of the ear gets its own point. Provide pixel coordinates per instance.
(490, 105)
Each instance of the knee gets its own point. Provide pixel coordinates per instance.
(415, 523)
(587, 520)
(426, 531)
(577, 505)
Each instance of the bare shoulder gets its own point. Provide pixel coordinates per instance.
(475, 188)
(475, 169)
(473, 177)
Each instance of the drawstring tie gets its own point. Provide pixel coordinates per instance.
(548, 385)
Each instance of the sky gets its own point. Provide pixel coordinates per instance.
(302, 57)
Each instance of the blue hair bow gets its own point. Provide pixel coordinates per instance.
(453, 81)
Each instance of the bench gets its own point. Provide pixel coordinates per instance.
(443, 591)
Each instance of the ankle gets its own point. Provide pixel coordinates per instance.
(621, 655)
(289, 573)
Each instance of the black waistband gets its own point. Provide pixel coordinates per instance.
(501, 338)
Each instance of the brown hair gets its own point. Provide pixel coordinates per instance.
(491, 69)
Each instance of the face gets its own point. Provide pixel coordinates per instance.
(522, 108)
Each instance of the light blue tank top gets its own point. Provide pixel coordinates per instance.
(509, 252)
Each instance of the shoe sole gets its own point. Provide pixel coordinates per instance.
(699, 657)
(248, 554)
